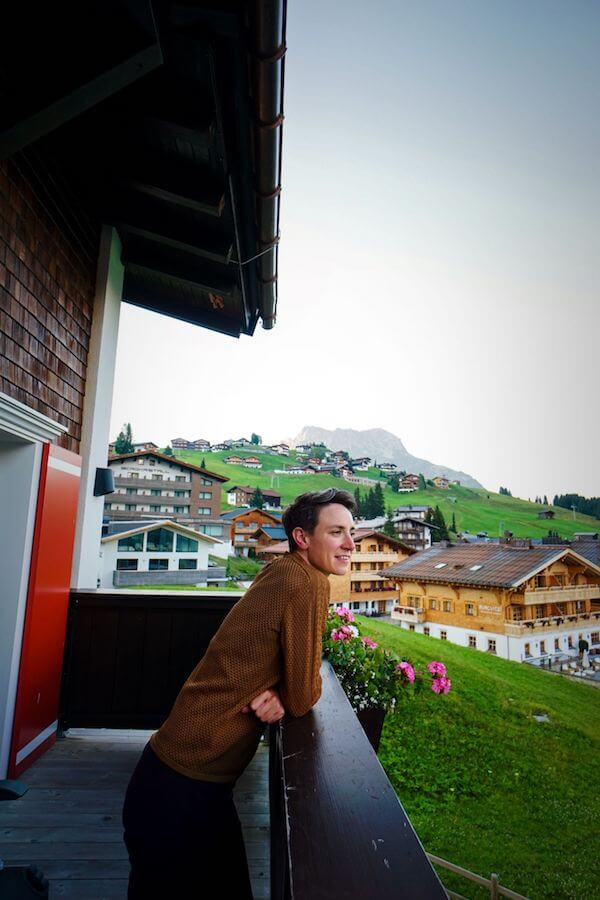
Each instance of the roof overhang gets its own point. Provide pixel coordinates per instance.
(165, 523)
(165, 120)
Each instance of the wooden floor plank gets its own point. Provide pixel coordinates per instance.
(69, 821)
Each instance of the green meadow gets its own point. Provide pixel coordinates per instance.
(487, 786)
(474, 509)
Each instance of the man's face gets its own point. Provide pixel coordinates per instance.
(330, 545)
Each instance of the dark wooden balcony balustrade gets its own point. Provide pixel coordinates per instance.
(337, 826)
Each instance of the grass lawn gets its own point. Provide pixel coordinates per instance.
(474, 509)
(488, 787)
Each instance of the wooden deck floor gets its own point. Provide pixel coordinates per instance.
(69, 821)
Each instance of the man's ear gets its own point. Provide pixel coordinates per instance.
(299, 536)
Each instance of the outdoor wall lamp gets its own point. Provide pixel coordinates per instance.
(104, 482)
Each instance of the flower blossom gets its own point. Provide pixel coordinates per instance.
(406, 670)
(437, 669)
(441, 685)
(342, 634)
(353, 629)
(344, 613)
(372, 645)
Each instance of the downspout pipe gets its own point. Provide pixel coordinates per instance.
(268, 80)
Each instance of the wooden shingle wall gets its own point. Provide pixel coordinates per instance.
(48, 255)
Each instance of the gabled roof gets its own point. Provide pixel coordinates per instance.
(362, 533)
(174, 460)
(169, 525)
(248, 489)
(242, 510)
(492, 565)
(275, 532)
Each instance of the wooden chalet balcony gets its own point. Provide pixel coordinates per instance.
(368, 575)
(562, 593)
(384, 559)
(560, 623)
(408, 614)
(337, 828)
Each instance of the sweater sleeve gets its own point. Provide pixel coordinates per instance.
(301, 647)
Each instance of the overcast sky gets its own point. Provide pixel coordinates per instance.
(439, 261)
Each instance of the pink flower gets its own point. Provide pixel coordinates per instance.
(437, 668)
(369, 643)
(342, 634)
(406, 670)
(441, 685)
(344, 613)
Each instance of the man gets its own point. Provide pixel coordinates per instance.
(181, 828)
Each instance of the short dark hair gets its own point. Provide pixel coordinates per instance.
(304, 511)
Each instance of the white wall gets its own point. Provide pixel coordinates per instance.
(19, 480)
(97, 407)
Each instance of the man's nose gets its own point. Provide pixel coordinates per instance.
(348, 542)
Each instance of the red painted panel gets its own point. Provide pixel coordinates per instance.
(42, 652)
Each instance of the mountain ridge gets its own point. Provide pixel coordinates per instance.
(380, 445)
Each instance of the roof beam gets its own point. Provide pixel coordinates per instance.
(181, 232)
(186, 186)
(186, 271)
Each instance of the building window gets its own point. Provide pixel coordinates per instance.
(556, 644)
(181, 493)
(426, 630)
(134, 475)
(131, 490)
(443, 635)
(204, 510)
(411, 627)
(470, 609)
(186, 544)
(180, 478)
(517, 614)
(539, 612)
(130, 507)
(356, 605)
(595, 637)
(580, 606)
(155, 492)
(433, 604)
(156, 477)
(527, 649)
(472, 640)
(151, 462)
(154, 508)
(570, 642)
(188, 563)
(133, 543)
(205, 495)
(491, 645)
(542, 646)
(213, 530)
(154, 564)
(160, 541)
(206, 481)
(124, 565)
(447, 605)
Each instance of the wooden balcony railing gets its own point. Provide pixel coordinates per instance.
(337, 827)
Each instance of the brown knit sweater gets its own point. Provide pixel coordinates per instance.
(271, 638)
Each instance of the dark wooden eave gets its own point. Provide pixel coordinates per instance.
(165, 119)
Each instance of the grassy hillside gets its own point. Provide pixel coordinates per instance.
(487, 786)
(474, 510)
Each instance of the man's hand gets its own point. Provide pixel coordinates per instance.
(267, 707)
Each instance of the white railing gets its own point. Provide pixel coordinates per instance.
(495, 888)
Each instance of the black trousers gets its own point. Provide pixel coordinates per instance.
(183, 836)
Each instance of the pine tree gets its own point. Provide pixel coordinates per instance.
(371, 505)
(358, 502)
(168, 451)
(422, 483)
(438, 519)
(203, 463)
(545, 500)
(378, 501)
(257, 501)
(394, 482)
(453, 526)
(255, 438)
(389, 527)
(124, 441)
